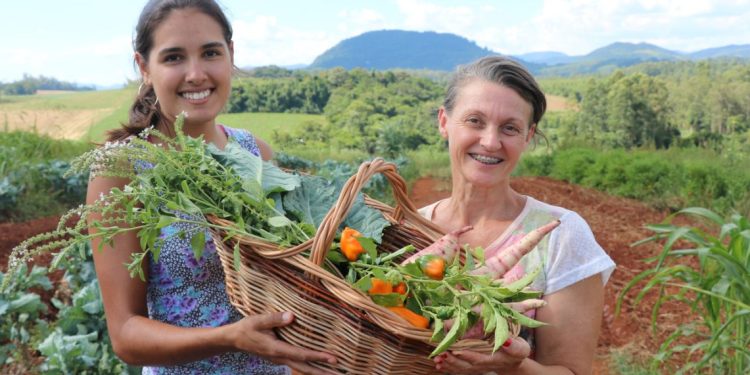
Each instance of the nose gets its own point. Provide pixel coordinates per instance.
(196, 72)
(490, 139)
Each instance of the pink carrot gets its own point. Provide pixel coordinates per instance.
(504, 259)
(445, 247)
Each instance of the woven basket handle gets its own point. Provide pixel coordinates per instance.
(339, 211)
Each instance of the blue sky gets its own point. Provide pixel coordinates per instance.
(88, 41)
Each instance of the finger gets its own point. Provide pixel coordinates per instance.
(272, 320)
(453, 364)
(278, 348)
(469, 356)
(517, 347)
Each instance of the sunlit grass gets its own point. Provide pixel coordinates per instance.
(263, 125)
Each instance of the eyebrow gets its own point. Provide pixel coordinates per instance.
(206, 46)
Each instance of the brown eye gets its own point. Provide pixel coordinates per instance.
(511, 130)
(212, 53)
(172, 58)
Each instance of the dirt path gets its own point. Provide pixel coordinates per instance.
(616, 223)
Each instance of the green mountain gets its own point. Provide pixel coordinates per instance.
(389, 49)
(611, 57)
(393, 49)
(733, 50)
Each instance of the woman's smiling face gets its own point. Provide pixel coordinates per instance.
(487, 131)
(189, 66)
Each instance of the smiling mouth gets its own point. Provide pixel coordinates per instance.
(197, 95)
(486, 159)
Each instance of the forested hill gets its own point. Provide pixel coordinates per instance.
(620, 55)
(388, 49)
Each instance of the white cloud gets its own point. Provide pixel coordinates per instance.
(362, 17)
(264, 41)
(355, 22)
(580, 26)
(423, 15)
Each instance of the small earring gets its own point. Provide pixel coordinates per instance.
(140, 88)
(156, 102)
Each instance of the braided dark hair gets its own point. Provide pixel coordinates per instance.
(145, 110)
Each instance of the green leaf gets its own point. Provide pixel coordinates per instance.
(187, 205)
(501, 332)
(388, 300)
(279, 221)
(165, 221)
(469, 262)
(450, 337)
(26, 303)
(489, 317)
(524, 281)
(703, 212)
(198, 243)
(369, 245)
(412, 269)
(312, 200)
(336, 257)
(251, 167)
(438, 332)
(379, 273)
(524, 320)
(404, 250)
(237, 256)
(364, 284)
(368, 221)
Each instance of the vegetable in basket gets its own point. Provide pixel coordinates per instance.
(468, 293)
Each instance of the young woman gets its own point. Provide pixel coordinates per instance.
(490, 114)
(180, 320)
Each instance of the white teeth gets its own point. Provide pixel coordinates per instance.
(196, 95)
(485, 159)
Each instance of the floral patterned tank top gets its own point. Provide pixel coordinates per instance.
(189, 292)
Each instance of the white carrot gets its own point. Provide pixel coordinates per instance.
(503, 260)
(445, 247)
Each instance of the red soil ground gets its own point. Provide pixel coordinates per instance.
(616, 223)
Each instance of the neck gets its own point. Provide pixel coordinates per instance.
(474, 205)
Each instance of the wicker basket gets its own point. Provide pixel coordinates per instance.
(330, 315)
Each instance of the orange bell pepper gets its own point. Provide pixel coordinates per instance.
(380, 287)
(350, 247)
(411, 317)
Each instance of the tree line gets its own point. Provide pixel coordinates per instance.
(29, 85)
(661, 105)
(654, 105)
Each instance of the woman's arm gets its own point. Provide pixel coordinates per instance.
(573, 316)
(138, 340)
(565, 345)
(266, 153)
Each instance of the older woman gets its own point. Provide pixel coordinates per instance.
(490, 115)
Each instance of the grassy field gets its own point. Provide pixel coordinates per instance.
(88, 115)
(74, 116)
(263, 125)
